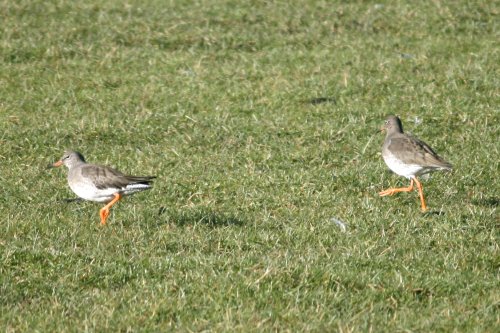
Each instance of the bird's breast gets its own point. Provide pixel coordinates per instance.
(88, 191)
(407, 170)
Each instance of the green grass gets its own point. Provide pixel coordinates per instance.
(216, 98)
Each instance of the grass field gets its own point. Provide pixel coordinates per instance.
(259, 119)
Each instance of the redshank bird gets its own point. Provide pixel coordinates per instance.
(409, 157)
(100, 183)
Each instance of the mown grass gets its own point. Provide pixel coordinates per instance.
(259, 120)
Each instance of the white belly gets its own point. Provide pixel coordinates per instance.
(402, 169)
(88, 191)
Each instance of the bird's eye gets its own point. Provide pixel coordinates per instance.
(66, 157)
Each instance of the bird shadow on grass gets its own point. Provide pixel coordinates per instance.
(200, 216)
(433, 213)
(321, 100)
(71, 200)
(487, 202)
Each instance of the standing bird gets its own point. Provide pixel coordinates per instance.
(409, 157)
(100, 183)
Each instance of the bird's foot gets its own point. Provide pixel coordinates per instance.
(386, 192)
(104, 213)
(392, 191)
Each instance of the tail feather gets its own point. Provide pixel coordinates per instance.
(135, 187)
(439, 163)
(138, 184)
(445, 166)
(146, 180)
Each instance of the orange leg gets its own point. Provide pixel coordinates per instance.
(392, 191)
(421, 193)
(104, 212)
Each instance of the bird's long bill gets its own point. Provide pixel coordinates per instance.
(57, 164)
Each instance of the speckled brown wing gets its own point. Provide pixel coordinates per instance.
(411, 150)
(104, 177)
